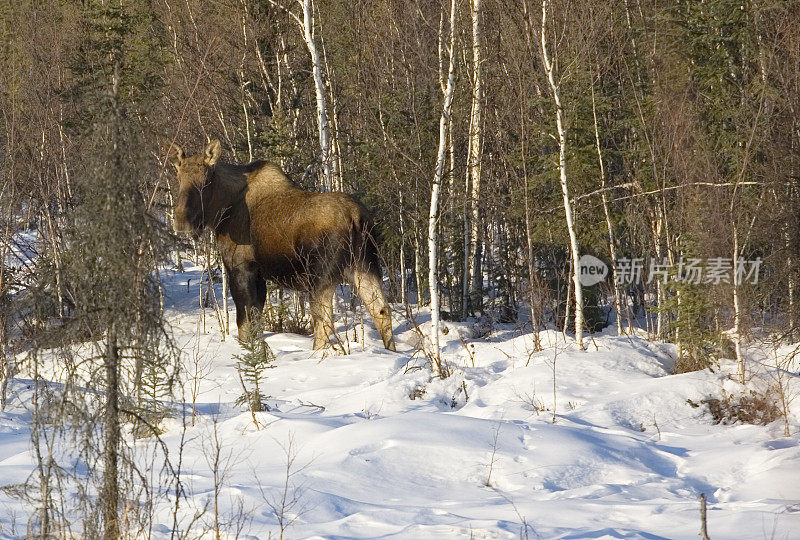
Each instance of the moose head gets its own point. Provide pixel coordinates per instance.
(192, 205)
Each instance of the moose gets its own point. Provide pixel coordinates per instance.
(267, 228)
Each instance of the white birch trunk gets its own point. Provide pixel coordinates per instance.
(433, 216)
(474, 156)
(319, 88)
(336, 151)
(335, 159)
(562, 168)
(244, 83)
(451, 177)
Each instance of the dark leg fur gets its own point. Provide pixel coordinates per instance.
(249, 293)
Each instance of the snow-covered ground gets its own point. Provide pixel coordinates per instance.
(609, 449)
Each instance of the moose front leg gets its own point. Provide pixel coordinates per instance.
(249, 293)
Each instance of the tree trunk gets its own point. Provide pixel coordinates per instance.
(110, 490)
(337, 181)
(319, 89)
(618, 307)
(449, 254)
(109, 500)
(792, 288)
(474, 164)
(531, 268)
(660, 288)
(418, 269)
(562, 168)
(226, 330)
(465, 281)
(433, 216)
(403, 272)
(5, 367)
(737, 310)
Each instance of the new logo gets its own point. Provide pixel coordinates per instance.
(592, 270)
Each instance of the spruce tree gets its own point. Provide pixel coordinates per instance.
(251, 364)
(116, 242)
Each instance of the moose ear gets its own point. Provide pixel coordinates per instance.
(213, 150)
(176, 156)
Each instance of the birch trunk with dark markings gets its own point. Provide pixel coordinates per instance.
(433, 216)
(562, 169)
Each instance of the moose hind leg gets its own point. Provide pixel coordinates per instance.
(369, 289)
(249, 294)
(321, 303)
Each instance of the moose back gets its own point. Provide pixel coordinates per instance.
(269, 229)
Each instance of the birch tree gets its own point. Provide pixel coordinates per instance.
(433, 217)
(473, 281)
(562, 170)
(306, 25)
(319, 89)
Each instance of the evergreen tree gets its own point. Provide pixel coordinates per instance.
(256, 358)
(116, 242)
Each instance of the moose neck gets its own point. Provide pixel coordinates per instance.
(224, 188)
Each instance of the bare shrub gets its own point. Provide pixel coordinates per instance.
(285, 313)
(752, 407)
(287, 503)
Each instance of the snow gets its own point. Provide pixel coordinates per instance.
(381, 450)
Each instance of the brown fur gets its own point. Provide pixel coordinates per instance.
(267, 228)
